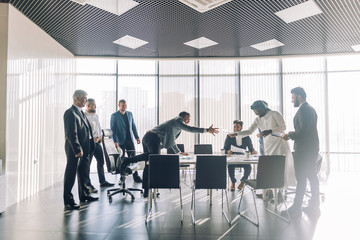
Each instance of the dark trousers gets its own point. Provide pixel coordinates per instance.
(75, 166)
(151, 145)
(231, 171)
(99, 156)
(305, 168)
(129, 148)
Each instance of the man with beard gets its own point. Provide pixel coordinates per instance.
(98, 152)
(306, 146)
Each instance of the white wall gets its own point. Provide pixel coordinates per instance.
(40, 83)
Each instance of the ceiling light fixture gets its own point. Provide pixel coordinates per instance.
(200, 43)
(82, 2)
(273, 43)
(203, 6)
(117, 7)
(130, 42)
(356, 48)
(298, 12)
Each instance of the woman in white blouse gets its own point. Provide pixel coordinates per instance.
(268, 122)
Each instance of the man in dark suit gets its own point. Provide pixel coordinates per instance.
(306, 146)
(78, 145)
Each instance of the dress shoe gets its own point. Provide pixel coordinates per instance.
(106, 184)
(91, 199)
(137, 178)
(71, 206)
(92, 189)
(241, 186)
(232, 187)
(312, 212)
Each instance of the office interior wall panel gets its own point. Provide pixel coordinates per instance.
(41, 81)
(4, 14)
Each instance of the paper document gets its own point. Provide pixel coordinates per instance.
(236, 149)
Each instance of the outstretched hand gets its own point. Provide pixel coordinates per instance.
(213, 130)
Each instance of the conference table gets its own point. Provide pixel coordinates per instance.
(231, 160)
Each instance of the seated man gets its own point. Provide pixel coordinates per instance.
(239, 143)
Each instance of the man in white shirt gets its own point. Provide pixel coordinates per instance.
(98, 152)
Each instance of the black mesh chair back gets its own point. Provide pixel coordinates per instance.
(164, 171)
(270, 172)
(203, 149)
(210, 172)
(180, 146)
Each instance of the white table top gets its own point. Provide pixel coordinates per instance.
(231, 160)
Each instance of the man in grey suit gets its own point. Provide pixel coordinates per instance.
(78, 146)
(164, 136)
(306, 146)
(123, 126)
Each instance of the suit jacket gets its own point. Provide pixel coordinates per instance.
(306, 135)
(77, 133)
(118, 127)
(170, 130)
(246, 142)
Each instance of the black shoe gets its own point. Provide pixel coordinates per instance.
(71, 206)
(92, 189)
(137, 178)
(313, 212)
(106, 184)
(90, 199)
(146, 193)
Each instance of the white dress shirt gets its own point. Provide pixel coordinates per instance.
(95, 124)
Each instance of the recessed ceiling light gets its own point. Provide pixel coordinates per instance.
(300, 11)
(356, 48)
(117, 7)
(203, 6)
(273, 43)
(130, 42)
(200, 43)
(82, 2)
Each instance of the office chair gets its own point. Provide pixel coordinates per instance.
(164, 172)
(112, 159)
(210, 174)
(184, 167)
(270, 175)
(203, 149)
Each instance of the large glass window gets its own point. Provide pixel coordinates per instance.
(217, 94)
(308, 73)
(259, 80)
(177, 94)
(102, 89)
(137, 85)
